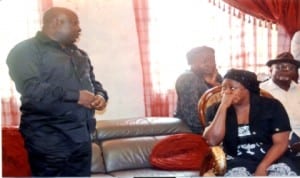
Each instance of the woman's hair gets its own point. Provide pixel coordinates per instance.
(246, 78)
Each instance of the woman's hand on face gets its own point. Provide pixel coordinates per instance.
(227, 99)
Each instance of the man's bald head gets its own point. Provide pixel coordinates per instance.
(61, 25)
(54, 12)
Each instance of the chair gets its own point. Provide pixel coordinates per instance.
(212, 96)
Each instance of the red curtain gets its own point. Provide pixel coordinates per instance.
(156, 104)
(45, 4)
(10, 110)
(240, 54)
(282, 12)
(9, 102)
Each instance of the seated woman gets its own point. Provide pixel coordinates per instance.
(254, 130)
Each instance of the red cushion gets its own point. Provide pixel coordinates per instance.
(14, 156)
(180, 152)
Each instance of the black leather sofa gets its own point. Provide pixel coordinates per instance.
(121, 148)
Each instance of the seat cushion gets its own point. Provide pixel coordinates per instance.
(147, 172)
(128, 153)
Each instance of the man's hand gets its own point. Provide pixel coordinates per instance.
(98, 103)
(86, 98)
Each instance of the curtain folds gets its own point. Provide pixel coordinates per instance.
(29, 18)
(282, 12)
(156, 103)
(243, 40)
(10, 109)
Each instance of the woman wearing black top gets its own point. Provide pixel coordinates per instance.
(254, 130)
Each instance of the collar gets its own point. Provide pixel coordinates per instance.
(274, 86)
(43, 38)
(293, 85)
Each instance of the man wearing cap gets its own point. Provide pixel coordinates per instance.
(282, 85)
(193, 83)
(283, 70)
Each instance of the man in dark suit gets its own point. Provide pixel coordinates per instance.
(59, 96)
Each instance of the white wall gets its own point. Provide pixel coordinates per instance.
(109, 37)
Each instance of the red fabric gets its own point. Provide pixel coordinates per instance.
(141, 18)
(180, 152)
(9, 102)
(249, 44)
(251, 40)
(14, 156)
(10, 111)
(282, 12)
(156, 103)
(45, 5)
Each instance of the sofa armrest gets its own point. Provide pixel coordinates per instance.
(97, 165)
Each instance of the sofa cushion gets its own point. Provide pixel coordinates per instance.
(97, 159)
(128, 153)
(146, 126)
(147, 172)
(102, 175)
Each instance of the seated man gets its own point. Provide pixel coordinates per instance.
(282, 85)
(193, 83)
(283, 70)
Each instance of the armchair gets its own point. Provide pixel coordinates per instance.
(210, 97)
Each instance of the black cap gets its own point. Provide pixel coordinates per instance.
(284, 57)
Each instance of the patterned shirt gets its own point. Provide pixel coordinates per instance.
(189, 88)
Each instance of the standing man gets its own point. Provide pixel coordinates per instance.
(193, 83)
(59, 96)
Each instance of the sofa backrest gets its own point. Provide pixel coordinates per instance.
(127, 143)
(145, 126)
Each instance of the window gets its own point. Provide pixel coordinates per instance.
(176, 26)
(20, 20)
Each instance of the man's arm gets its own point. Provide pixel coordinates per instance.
(97, 85)
(101, 97)
(23, 62)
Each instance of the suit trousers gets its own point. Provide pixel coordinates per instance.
(63, 159)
